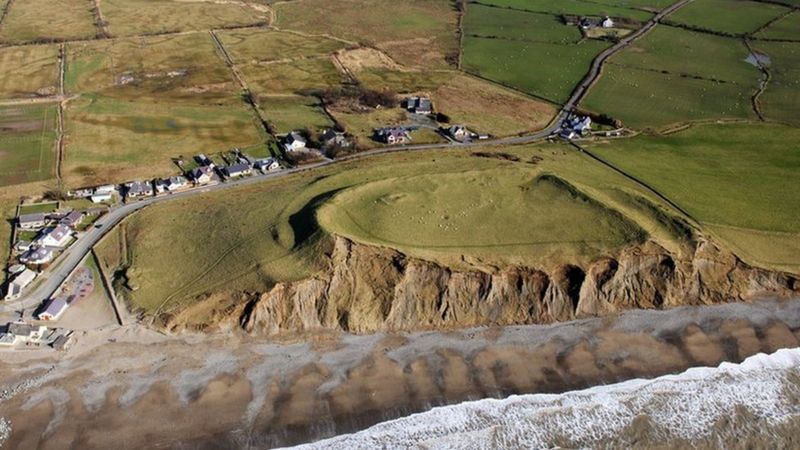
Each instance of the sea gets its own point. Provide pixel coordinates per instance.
(753, 404)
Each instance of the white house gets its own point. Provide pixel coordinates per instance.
(202, 174)
(19, 332)
(607, 23)
(53, 309)
(57, 237)
(19, 283)
(294, 142)
(176, 183)
(267, 164)
(101, 198)
(37, 255)
(105, 189)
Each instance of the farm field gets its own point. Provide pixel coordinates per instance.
(487, 21)
(625, 9)
(118, 140)
(47, 20)
(735, 178)
(739, 17)
(414, 33)
(276, 238)
(139, 17)
(258, 45)
(27, 143)
(293, 112)
(786, 28)
(28, 71)
(165, 69)
(781, 99)
(298, 77)
(672, 76)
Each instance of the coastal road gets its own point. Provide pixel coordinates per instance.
(72, 256)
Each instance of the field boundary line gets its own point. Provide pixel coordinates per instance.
(60, 144)
(762, 85)
(99, 21)
(5, 13)
(109, 288)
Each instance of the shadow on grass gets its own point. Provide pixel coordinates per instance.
(304, 222)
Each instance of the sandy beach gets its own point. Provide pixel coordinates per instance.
(135, 388)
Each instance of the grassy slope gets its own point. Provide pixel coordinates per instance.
(738, 180)
(737, 17)
(27, 70)
(27, 143)
(781, 100)
(245, 46)
(46, 20)
(135, 17)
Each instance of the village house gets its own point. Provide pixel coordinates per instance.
(332, 138)
(72, 219)
(177, 183)
(100, 198)
(37, 255)
(105, 189)
(267, 164)
(19, 283)
(458, 133)
(293, 142)
(160, 185)
(32, 221)
(203, 160)
(58, 237)
(136, 189)
(103, 194)
(575, 126)
(607, 23)
(20, 332)
(202, 174)
(22, 246)
(81, 193)
(419, 105)
(392, 136)
(53, 309)
(237, 170)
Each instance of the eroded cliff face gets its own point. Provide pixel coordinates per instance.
(368, 289)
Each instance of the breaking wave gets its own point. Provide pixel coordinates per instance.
(758, 399)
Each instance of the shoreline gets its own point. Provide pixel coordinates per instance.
(218, 391)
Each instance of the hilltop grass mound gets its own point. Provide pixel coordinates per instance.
(495, 215)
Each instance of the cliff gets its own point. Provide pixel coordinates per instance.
(368, 289)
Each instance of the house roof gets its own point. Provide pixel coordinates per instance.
(295, 137)
(59, 232)
(24, 278)
(54, 306)
(72, 218)
(21, 329)
(237, 168)
(38, 254)
(31, 218)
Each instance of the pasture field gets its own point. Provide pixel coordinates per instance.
(488, 108)
(293, 112)
(257, 45)
(673, 75)
(549, 71)
(47, 20)
(403, 81)
(612, 8)
(725, 16)
(166, 69)
(414, 32)
(486, 21)
(738, 178)
(277, 237)
(297, 77)
(28, 71)
(140, 17)
(781, 100)
(27, 143)
(786, 28)
(119, 140)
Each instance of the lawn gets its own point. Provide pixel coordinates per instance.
(27, 143)
(258, 45)
(673, 76)
(785, 28)
(293, 112)
(117, 140)
(737, 178)
(28, 71)
(781, 100)
(47, 20)
(138, 17)
(727, 16)
(414, 32)
(164, 69)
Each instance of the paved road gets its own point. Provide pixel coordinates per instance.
(70, 259)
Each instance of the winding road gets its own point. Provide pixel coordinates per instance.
(49, 281)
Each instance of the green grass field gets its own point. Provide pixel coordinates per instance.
(297, 77)
(486, 21)
(785, 28)
(621, 8)
(117, 140)
(252, 46)
(163, 69)
(27, 143)
(781, 100)
(726, 16)
(28, 71)
(737, 178)
(47, 20)
(138, 17)
(293, 112)
(674, 75)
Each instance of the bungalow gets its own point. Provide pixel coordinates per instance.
(392, 136)
(419, 105)
(100, 198)
(177, 182)
(32, 221)
(53, 309)
(135, 189)
(202, 174)
(81, 193)
(19, 332)
(72, 219)
(55, 237)
(294, 141)
(333, 138)
(267, 164)
(37, 255)
(237, 170)
(105, 189)
(20, 282)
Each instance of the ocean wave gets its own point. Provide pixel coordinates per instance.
(756, 396)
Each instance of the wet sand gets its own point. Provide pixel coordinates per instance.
(134, 388)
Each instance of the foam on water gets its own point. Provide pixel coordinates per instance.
(684, 406)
